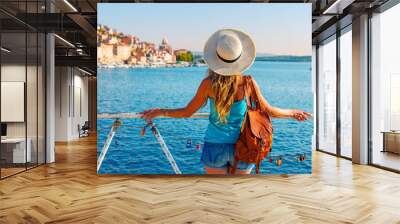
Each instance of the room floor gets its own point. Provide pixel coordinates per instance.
(70, 191)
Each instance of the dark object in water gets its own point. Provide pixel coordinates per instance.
(302, 157)
(279, 161)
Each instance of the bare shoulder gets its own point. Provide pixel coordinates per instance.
(206, 86)
(255, 85)
(206, 83)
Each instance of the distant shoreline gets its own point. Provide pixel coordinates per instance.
(186, 64)
(284, 58)
(183, 65)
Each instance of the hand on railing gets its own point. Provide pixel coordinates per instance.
(300, 115)
(151, 114)
(143, 130)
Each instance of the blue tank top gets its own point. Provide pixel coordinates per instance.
(218, 132)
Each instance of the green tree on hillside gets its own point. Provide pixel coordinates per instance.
(185, 56)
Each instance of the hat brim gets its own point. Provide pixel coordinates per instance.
(245, 60)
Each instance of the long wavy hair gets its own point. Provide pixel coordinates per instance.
(224, 88)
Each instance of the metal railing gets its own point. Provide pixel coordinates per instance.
(117, 123)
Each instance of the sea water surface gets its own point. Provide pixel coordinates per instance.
(284, 84)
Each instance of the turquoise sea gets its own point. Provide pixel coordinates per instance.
(284, 84)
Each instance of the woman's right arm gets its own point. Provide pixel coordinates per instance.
(199, 99)
(277, 112)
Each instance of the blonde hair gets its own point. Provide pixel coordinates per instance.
(224, 88)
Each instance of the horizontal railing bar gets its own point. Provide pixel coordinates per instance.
(134, 115)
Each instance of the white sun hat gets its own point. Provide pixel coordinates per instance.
(229, 52)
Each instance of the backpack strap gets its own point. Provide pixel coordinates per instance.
(247, 95)
(258, 167)
(258, 162)
(247, 90)
(251, 93)
(234, 167)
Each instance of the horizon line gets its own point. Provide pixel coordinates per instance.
(200, 51)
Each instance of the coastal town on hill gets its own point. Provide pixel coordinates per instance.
(116, 49)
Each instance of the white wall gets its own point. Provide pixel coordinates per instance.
(11, 73)
(81, 108)
(71, 87)
(62, 82)
(33, 127)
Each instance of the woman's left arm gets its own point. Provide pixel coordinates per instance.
(197, 101)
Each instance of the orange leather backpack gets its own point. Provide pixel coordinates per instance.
(255, 140)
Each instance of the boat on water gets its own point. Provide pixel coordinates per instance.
(199, 65)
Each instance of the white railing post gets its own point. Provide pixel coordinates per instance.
(165, 149)
(154, 129)
(107, 143)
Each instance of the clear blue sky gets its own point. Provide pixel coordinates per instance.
(283, 29)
